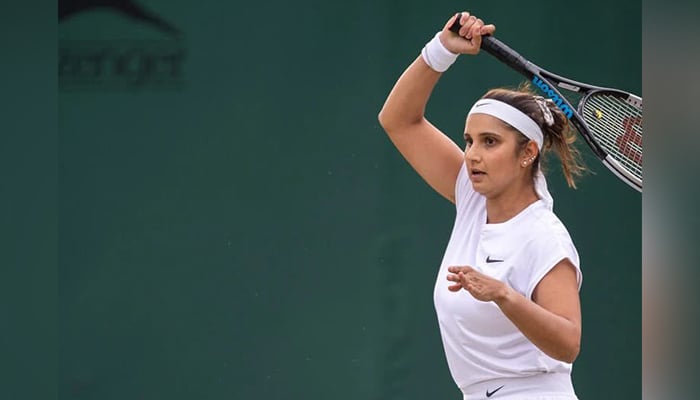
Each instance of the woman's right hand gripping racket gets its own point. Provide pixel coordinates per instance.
(610, 120)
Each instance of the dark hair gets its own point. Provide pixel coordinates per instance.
(558, 136)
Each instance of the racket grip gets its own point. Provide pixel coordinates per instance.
(501, 51)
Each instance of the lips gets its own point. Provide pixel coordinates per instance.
(476, 175)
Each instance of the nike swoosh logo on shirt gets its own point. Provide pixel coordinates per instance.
(489, 394)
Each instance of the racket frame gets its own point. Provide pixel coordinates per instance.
(517, 62)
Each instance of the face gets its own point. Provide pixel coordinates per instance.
(493, 161)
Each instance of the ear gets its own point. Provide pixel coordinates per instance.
(529, 154)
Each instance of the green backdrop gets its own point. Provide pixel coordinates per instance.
(234, 224)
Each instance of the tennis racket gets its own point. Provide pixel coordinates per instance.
(610, 120)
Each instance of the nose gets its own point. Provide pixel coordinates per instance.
(471, 154)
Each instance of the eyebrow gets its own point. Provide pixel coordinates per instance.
(486, 133)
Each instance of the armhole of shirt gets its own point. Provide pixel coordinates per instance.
(561, 255)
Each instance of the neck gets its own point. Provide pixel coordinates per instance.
(506, 205)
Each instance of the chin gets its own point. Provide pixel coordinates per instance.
(485, 190)
(480, 188)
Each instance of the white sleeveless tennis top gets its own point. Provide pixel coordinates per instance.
(481, 344)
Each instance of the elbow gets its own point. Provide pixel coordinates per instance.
(570, 345)
(394, 123)
(385, 120)
(569, 352)
(389, 124)
(382, 118)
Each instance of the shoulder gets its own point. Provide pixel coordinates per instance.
(549, 243)
(545, 224)
(548, 235)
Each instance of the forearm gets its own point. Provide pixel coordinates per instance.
(555, 335)
(406, 103)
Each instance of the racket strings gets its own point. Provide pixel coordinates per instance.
(617, 126)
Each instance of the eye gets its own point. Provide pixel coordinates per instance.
(468, 140)
(489, 141)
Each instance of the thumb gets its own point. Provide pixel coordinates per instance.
(488, 29)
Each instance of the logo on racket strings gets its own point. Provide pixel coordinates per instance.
(553, 95)
(630, 144)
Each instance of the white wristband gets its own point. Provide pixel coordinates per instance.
(437, 56)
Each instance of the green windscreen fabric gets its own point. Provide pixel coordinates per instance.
(235, 224)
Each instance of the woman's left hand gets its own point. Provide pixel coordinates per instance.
(481, 287)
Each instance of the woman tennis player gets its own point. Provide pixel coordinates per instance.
(507, 292)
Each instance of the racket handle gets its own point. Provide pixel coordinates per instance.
(501, 51)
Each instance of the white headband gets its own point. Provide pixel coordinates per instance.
(524, 124)
(510, 115)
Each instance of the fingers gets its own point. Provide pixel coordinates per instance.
(476, 41)
(458, 282)
(467, 23)
(474, 29)
(456, 269)
(489, 29)
(467, 38)
(450, 22)
(467, 278)
(454, 288)
(461, 279)
(461, 282)
(467, 281)
(480, 286)
(471, 26)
